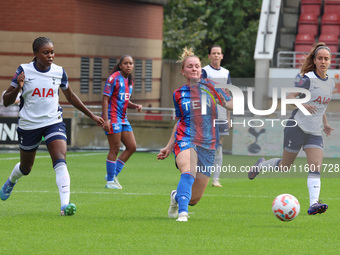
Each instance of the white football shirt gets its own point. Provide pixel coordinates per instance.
(321, 93)
(39, 105)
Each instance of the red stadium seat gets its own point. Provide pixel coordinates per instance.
(303, 45)
(311, 7)
(331, 7)
(333, 44)
(330, 24)
(308, 24)
(304, 39)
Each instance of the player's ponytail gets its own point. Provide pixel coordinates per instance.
(116, 68)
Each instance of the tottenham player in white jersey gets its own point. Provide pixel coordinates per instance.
(216, 71)
(307, 133)
(41, 116)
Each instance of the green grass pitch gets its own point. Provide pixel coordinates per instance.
(235, 219)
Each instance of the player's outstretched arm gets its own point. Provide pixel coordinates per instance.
(73, 99)
(165, 152)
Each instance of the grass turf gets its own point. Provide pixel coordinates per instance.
(235, 219)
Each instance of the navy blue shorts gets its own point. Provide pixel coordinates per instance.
(295, 139)
(223, 129)
(29, 140)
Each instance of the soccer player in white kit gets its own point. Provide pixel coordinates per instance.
(41, 116)
(216, 71)
(307, 133)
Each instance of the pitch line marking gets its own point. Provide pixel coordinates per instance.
(150, 194)
(68, 155)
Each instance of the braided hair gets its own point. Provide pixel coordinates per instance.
(39, 42)
(117, 68)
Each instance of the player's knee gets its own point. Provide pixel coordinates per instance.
(133, 148)
(114, 150)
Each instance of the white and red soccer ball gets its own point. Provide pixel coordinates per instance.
(286, 207)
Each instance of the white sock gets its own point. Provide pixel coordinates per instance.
(16, 173)
(218, 162)
(269, 164)
(314, 186)
(63, 182)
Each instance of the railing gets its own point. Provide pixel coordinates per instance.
(148, 113)
(293, 59)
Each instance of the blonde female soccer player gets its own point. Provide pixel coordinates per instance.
(194, 137)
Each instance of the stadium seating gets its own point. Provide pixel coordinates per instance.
(308, 24)
(330, 24)
(331, 7)
(303, 43)
(304, 39)
(311, 7)
(331, 41)
(333, 44)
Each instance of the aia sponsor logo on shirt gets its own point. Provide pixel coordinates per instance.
(43, 92)
(322, 100)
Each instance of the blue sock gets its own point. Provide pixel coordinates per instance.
(120, 165)
(184, 191)
(110, 169)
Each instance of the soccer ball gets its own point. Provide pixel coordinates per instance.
(286, 207)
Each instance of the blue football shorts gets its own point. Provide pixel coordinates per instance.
(118, 128)
(295, 139)
(29, 140)
(205, 158)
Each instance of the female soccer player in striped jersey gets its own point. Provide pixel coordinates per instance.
(41, 116)
(193, 139)
(115, 101)
(307, 133)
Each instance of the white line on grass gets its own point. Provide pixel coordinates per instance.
(152, 194)
(68, 155)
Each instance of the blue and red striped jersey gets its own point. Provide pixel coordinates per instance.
(119, 90)
(194, 127)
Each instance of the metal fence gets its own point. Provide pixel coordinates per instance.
(294, 59)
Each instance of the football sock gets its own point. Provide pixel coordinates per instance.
(110, 169)
(314, 186)
(119, 167)
(16, 173)
(63, 181)
(184, 191)
(270, 164)
(218, 162)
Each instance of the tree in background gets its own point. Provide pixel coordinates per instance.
(232, 24)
